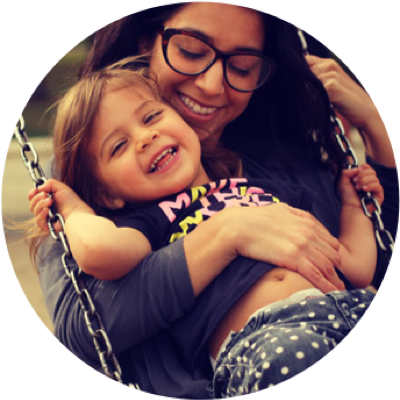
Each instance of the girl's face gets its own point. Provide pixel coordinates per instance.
(143, 150)
(228, 28)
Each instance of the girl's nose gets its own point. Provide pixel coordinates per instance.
(146, 139)
(212, 81)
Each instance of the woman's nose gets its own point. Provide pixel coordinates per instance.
(145, 139)
(212, 81)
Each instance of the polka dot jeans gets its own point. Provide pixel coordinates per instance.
(279, 342)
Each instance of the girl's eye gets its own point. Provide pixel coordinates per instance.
(116, 148)
(152, 116)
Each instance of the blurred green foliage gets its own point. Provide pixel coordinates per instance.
(38, 113)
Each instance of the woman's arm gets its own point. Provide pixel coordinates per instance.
(277, 234)
(351, 100)
(135, 307)
(148, 299)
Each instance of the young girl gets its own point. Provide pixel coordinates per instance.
(134, 182)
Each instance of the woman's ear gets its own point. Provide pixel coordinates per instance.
(111, 202)
(144, 44)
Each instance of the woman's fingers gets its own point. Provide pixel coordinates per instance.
(349, 98)
(326, 268)
(294, 239)
(309, 271)
(320, 254)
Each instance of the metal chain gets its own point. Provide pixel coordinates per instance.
(383, 236)
(94, 323)
(108, 360)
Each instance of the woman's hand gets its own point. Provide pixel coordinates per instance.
(287, 237)
(347, 96)
(63, 197)
(351, 101)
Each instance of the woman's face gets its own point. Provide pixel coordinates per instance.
(206, 101)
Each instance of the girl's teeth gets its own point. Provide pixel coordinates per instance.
(154, 168)
(166, 163)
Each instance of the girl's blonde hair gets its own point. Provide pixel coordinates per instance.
(73, 125)
(72, 131)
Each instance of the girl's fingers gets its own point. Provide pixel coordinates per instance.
(41, 219)
(34, 201)
(376, 190)
(41, 204)
(32, 193)
(374, 187)
(366, 181)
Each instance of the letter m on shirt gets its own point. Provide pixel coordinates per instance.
(182, 201)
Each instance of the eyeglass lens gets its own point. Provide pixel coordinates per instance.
(191, 56)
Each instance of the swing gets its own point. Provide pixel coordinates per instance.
(94, 323)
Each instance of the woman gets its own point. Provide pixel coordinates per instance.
(182, 275)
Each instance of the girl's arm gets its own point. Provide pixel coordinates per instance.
(99, 247)
(102, 249)
(357, 240)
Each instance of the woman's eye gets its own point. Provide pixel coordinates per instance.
(191, 55)
(152, 116)
(116, 148)
(237, 70)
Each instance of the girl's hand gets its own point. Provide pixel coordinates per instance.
(290, 238)
(63, 197)
(349, 98)
(363, 178)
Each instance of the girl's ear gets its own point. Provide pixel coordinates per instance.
(111, 202)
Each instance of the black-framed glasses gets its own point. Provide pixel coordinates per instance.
(186, 53)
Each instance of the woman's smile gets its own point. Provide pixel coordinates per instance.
(206, 101)
(196, 114)
(195, 107)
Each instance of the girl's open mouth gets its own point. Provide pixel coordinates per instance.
(163, 159)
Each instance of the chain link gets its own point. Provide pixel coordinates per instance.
(94, 323)
(383, 236)
(108, 360)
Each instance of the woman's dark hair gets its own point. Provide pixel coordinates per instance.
(293, 108)
(122, 38)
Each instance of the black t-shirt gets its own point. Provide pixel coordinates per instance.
(173, 217)
(165, 221)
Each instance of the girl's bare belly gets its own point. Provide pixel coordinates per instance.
(275, 285)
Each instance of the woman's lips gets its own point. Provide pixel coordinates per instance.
(196, 108)
(192, 110)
